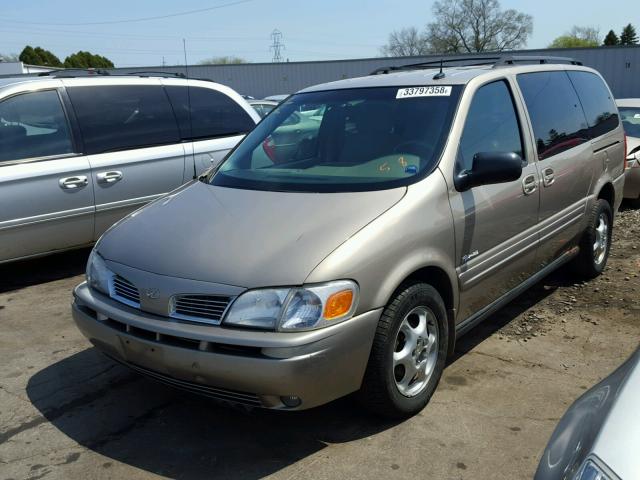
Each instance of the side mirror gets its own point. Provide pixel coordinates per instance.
(490, 168)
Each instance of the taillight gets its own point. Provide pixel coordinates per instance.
(269, 148)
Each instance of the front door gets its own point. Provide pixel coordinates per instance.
(46, 194)
(495, 225)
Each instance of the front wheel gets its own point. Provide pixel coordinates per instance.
(596, 242)
(408, 354)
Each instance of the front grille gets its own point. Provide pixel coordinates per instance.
(125, 291)
(232, 396)
(207, 308)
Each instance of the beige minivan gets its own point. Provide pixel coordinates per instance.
(347, 251)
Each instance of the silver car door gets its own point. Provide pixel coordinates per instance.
(495, 225)
(564, 154)
(46, 194)
(133, 145)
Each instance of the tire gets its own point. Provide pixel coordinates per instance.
(386, 388)
(592, 258)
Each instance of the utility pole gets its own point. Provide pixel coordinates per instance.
(276, 46)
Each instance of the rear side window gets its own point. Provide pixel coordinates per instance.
(491, 125)
(555, 111)
(213, 114)
(599, 107)
(123, 117)
(33, 125)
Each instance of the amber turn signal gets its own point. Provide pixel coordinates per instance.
(338, 304)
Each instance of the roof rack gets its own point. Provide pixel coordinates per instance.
(477, 61)
(74, 72)
(152, 73)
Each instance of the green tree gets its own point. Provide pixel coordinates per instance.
(39, 56)
(83, 59)
(226, 60)
(628, 36)
(578, 37)
(611, 39)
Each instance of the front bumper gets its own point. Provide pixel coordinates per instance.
(241, 366)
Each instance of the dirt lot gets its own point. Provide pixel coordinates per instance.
(66, 412)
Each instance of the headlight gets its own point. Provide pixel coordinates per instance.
(590, 470)
(295, 309)
(98, 275)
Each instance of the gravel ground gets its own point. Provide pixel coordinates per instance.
(66, 412)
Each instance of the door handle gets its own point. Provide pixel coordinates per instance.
(72, 183)
(109, 177)
(548, 177)
(529, 184)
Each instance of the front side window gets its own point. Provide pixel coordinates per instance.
(33, 125)
(556, 114)
(207, 113)
(123, 117)
(631, 120)
(491, 125)
(348, 140)
(597, 102)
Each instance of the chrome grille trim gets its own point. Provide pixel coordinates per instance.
(124, 291)
(199, 308)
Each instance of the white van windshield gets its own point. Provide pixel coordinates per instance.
(344, 140)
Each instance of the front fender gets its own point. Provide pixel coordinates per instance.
(415, 233)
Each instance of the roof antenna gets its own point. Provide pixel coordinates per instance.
(186, 70)
(440, 74)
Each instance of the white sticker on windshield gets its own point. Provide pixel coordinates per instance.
(637, 115)
(430, 91)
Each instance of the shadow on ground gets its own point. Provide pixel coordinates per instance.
(106, 408)
(26, 273)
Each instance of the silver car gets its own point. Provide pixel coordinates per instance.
(630, 114)
(598, 438)
(78, 154)
(350, 257)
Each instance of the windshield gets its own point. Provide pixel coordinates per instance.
(344, 140)
(631, 120)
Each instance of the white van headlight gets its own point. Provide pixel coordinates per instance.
(98, 275)
(295, 309)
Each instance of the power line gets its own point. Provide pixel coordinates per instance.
(276, 45)
(132, 20)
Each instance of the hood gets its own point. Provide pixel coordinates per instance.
(238, 237)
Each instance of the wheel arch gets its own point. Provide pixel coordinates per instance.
(439, 279)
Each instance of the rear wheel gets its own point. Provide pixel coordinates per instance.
(596, 242)
(408, 354)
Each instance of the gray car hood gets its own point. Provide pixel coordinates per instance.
(241, 237)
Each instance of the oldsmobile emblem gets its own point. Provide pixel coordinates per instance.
(153, 293)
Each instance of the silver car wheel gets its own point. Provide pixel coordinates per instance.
(416, 351)
(601, 243)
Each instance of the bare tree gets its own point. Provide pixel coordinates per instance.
(476, 26)
(405, 43)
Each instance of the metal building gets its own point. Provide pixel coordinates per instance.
(619, 65)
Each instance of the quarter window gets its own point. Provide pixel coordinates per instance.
(123, 117)
(599, 107)
(555, 111)
(213, 114)
(491, 125)
(33, 125)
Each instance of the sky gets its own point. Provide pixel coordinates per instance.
(311, 29)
